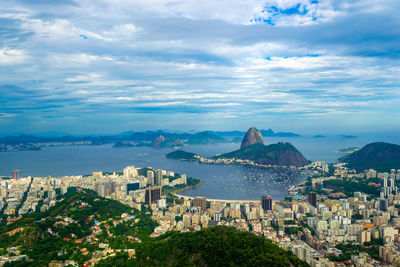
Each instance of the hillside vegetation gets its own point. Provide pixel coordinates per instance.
(379, 156)
(282, 153)
(62, 231)
(215, 246)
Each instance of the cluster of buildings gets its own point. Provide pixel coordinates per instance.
(311, 225)
(12, 193)
(25, 195)
(357, 218)
(236, 161)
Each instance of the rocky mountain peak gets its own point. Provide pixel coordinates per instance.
(252, 136)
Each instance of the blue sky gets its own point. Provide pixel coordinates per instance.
(109, 66)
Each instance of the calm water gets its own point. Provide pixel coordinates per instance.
(224, 182)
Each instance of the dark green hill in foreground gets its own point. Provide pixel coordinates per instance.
(379, 156)
(214, 246)
(181, 155)
(282, 154)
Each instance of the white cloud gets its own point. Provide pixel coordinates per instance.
(203, 55)
(123, 31)
(84, 78)
(59, 30)
(9, 56)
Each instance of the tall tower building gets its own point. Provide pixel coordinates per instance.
(130, 172)
(200, 202)
(158, 177)
(153, 194)
(384, 182)
(150, 177)
(266, 203)
(17, 174)
(312, 198)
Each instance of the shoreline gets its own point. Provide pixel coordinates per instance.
(180, 196)
(234, 162)
(222, 200)
(186, 188)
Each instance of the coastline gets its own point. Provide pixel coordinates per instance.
(180, 196)
(174, 193)
(223, 200)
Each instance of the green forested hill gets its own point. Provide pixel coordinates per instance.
(181, 155)
(214, 246)
(379, 156)
(282, 153)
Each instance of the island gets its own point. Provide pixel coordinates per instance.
(182, 155)
(344, 136)
(122, 144)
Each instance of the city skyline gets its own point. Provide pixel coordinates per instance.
(302, 66)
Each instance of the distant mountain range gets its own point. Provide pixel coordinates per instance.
(265, 133)
(147, 138)
(379, 156)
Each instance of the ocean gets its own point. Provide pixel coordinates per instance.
(220, 181)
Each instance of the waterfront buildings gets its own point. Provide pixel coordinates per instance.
(200, 202)
(266, 202)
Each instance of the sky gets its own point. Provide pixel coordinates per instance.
(107, 66)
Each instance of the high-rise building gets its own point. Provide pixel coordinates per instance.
(384, 182)
(217, 216)
(184, 178)
(17, 174)
(312, 198)
(51, 194)
(266, 203)
(200, 202)
(383, 204)
(162, 203)
(158, 177)
(97, 174)
(105, 189)
(132, 187)
(153, 194)
(130, 172)
(150, 177)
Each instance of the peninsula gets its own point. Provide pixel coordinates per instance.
(252, 152)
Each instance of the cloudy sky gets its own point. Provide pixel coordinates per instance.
(106, 66)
